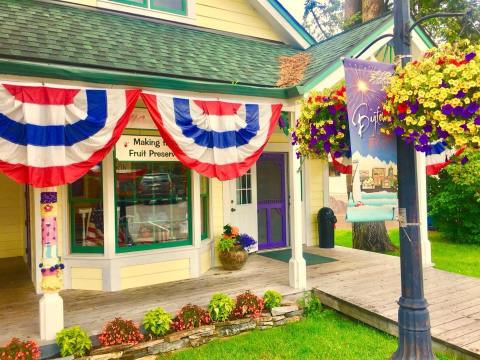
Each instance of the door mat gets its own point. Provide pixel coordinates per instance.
(286, 254)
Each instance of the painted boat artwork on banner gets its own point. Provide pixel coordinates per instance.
(372, 195)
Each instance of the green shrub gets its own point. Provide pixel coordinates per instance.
(454, 200)
(272, 299)
(73, 341)
(310, 303)
(157, 321)
(220, 307)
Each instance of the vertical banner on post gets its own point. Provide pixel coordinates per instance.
(374, 153)
(51, 267)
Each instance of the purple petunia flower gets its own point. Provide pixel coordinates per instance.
(428, 128)
(423, 139)
(472, 108)
(464, 160)
(414, 106)
(418, 147)
(343, 145)
(337, 154)
(447, 109)
(444, 84)
(460, 95)
(298, 155)
(399, 131)
(477, 120)
(442, 134)
(327, 147)
(329, 129)
(470, 56)
(458, 111)
(331, 110)
(402, 116)
(464, 127)
(281, 122)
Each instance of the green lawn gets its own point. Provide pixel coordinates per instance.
(325, 336)
(458, 258)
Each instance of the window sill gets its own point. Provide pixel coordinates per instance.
(151, 13)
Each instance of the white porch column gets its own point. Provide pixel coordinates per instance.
(297, 265)
(51, 304)
(422, 209)
(195, 270)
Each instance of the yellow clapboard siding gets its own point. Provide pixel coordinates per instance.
(12, 218)
(152, 279)
(205, 261)
(87, 273)
(234, 16)
(279, 138)
(251, 19)
(315, 195)
(87, 278)
(153, 268)
(87, 284)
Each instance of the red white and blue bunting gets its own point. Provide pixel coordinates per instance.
(215, 138)
(52, 136)
(439, 156)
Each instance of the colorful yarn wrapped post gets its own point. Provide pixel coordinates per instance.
(51, 267)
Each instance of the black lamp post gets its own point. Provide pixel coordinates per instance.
(414, 338)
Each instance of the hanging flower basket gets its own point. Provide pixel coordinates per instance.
(437, 99)
(323, 125)
(322, 128)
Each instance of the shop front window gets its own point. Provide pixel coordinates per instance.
(204, 204)
(86, 212)
(153, 205)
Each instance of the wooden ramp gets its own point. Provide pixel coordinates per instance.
(369, 292)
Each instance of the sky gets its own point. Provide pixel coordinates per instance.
(295, 7)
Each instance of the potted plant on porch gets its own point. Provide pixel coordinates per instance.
(233, 248)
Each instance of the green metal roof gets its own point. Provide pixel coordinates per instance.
(87, 44)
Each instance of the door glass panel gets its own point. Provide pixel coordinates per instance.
(269, 180)
(262, 226)
(244, 189)
(276, 225)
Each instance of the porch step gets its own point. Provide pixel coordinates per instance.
(387, 325)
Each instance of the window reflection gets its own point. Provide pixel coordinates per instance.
(152, 204)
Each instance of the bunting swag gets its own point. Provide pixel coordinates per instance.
(439, 156)
(53, 136)
(215, 138)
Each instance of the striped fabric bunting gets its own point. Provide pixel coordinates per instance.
(215, 138)
(52, 136)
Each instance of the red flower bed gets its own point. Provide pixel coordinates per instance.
(120, 331)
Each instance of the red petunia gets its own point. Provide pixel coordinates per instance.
(402, 108)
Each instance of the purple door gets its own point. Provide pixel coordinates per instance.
(271, 201)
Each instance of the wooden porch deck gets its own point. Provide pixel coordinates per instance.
(361, 284)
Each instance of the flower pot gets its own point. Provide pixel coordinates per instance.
(233, 259)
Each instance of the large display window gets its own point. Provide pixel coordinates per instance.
(86, 212)
(153, 208)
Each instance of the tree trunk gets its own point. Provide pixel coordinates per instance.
(352, 7)
(372, 9)
(372, 236)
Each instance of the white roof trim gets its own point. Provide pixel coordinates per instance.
(287, 32)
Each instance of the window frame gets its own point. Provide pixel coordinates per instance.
(155, 246)
(206, 215)
(74, 248)
(147, 4)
